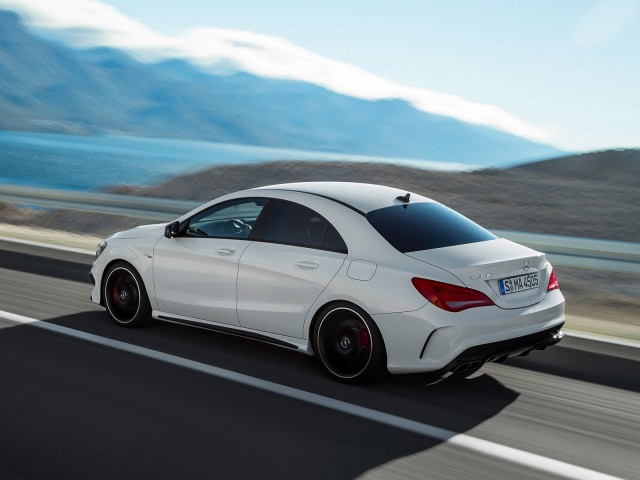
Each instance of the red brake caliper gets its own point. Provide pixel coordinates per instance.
(363, 338)
(114, 293)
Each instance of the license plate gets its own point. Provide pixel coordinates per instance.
(519, 283)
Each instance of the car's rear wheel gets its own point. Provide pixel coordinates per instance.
(348, 343)
(125, 296)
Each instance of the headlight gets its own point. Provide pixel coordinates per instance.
(100, 248)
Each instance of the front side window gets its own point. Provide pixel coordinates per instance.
(424, 226)
(233, 219)
(294, 224)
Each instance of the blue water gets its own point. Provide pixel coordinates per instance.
(92, 163)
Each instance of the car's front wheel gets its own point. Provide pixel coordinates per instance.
(125, 296)
(348, 343)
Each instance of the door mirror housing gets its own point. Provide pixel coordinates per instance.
(172, 230)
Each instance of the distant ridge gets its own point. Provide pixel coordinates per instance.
(556, 196)
(615, 167)
(48, 87)
(509, 199)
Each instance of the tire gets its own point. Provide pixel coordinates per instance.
(125, 297)
(348, 343)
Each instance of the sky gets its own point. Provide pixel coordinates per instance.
(562, 72)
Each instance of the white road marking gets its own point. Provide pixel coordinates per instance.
(48, 246)
(501, 452)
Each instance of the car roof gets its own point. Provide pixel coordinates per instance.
(363, 197)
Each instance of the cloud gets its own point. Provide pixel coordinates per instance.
(90, 23)
(604, 21)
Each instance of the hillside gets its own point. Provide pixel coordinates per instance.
(511, 199)
(47, 87)
(614, 167)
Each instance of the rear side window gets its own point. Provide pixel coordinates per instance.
(294, 224)
(425, 226)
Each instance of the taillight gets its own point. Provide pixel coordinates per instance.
(553, 282)
(451, 298)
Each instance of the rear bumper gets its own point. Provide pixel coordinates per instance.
(433, 340)
(474, 357)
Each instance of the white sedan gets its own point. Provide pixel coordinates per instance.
(366, 277)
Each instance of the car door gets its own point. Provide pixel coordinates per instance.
(195, 273)
(281, 275)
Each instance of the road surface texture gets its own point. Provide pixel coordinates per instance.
(167, 401)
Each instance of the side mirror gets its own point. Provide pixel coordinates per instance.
(172, 230)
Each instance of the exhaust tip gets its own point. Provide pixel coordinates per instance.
(463, 367)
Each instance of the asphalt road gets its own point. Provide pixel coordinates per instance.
(70, 408)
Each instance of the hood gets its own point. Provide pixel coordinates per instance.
(140, 231)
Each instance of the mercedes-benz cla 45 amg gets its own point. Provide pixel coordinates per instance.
(365, 277)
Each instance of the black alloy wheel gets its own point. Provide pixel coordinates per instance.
(348, 343)
(125, 296)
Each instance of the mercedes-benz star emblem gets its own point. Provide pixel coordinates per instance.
(525, 265)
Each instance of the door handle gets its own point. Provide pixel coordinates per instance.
(226, 251)
(307, 265)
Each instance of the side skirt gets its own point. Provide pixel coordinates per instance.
(237, 331)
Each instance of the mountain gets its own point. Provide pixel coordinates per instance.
(48, 87)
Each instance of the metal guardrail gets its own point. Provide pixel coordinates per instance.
(128, 205)
(596, 254)
(561, 250)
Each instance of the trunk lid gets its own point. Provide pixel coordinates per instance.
(482, 265)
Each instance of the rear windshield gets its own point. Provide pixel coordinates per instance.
(424, 226)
